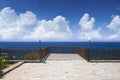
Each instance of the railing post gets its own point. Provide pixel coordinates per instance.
(88, 55)
(63, 49)
(0, 52)
(40, 52)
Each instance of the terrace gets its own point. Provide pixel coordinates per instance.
(63, 63)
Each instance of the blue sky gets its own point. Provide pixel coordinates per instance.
(102, 19)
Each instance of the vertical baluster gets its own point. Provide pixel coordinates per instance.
(16, 52)
(99, 54)
(105, 52)
(34, 55)
(0, 52)
(110, 52)
(40, 52)
(37, 54)
(22, 53)
(118, 52)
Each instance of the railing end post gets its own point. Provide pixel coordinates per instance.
(88, 51)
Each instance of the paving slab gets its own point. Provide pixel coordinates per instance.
(65, 70)
(65, 67)
(64, 56)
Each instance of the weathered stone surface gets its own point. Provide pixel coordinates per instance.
(65, 70)
(10, 68)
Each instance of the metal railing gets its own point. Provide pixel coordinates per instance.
(44, 53)
(108, 54)
(29, 54)
(24, 54)
(19, 54)
(62, 49)
(83, 53)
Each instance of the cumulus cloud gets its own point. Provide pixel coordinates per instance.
(114, 26)
(114, 36)
(56, 29)
(86, 23)
(27, 26)
(15, 26)
(86, 28)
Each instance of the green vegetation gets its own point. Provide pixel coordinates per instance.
(32, 56)
(3, 63)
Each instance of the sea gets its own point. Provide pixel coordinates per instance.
(37, 45)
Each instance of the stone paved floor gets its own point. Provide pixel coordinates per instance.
(65, 70)
(65, 67)
(57, 56)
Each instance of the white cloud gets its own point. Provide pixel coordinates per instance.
(27, 26)
(86, 23)
(56, 29)
(86, 28)
(115, 24)
(15, 26)
(115, 36)
(115, 27)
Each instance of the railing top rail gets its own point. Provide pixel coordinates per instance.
(103, 49)
(63, 47)
(19, 50)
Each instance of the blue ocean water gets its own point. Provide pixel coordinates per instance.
(36, 45)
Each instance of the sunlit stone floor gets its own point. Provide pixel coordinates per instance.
(77, 69)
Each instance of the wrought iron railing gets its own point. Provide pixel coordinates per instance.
(83, 53)
(19, 54)
(62, 49)
(32, 54)
(24, 54)
(108, 54)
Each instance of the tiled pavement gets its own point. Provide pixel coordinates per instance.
(77, 69)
